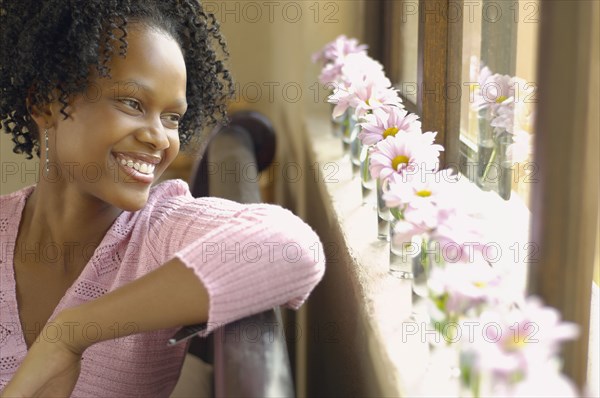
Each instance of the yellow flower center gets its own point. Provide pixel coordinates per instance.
(398, 160)
(515, 341)
(367, 102)
(501, 99)
(480, 285)
(424, 193)
(390, 131)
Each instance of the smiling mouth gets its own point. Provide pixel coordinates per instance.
(136, 164)
(142, 167)
(135, 168)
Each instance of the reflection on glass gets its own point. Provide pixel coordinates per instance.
(499, 91)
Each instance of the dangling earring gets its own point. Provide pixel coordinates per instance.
(47, 153)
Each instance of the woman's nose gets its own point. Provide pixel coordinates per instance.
(155, 134)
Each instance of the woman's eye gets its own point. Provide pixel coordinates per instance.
(173, 118)
(131, 103)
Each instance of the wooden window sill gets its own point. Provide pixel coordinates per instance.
(397, 353)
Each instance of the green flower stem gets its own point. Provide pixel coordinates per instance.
(471, 380)
(365, 176)
(425, 256)
(489, 163)
(346, 124)
(475, 384)
(397, 213)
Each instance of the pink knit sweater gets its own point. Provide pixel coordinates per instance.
(249, 257)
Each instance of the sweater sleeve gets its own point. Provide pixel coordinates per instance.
(267, 258)
(250, 258)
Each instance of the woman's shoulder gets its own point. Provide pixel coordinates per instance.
(168, 189)
(171, 202)
(16, 195)
(10, 203)
(173, 219)
(175, 196)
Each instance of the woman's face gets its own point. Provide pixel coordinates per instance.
(123, 132)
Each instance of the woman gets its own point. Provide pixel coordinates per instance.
(98, 268)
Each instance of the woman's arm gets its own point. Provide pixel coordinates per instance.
(250, 258)
(218, 266)
(169, 296)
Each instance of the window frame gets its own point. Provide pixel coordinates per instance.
(437, 38)
(559, 201)
(563, 275)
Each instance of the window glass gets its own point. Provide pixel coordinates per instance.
(499, 94)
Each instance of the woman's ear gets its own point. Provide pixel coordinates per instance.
(42, 114)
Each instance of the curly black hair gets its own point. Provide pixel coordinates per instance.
(48, 46)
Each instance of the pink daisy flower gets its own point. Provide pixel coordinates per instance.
(484, 74)
(363, 99)
(405, 231)
(458, 235)
(431, 203)
(374, 97)
(467, 286)
(523, 339)
(420, 188)
(504, 119)
(494, 91)
(387, 121)
(359, 69)
(354, 69)
(361, 85)
(522, 147)
(404, 152)
(338, 49)
(330, 74)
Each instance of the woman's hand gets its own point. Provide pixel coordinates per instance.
(170, 296)
(50, 369)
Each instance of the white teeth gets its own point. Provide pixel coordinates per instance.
(141, 167)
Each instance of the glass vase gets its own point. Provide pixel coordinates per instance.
(337, 129)
(503, 140)
(420, 273)
(487, 166)
(356, 146)
(429, 256)
(383, 213)
(470, 378)
(402, 252)
(346, 130)
(366, 181)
